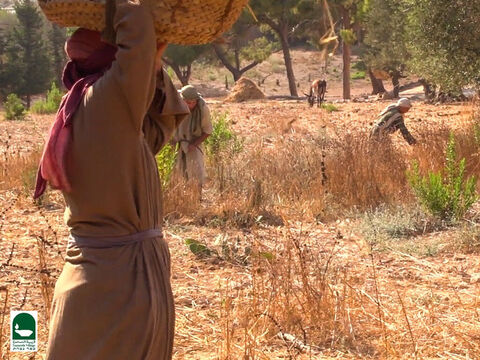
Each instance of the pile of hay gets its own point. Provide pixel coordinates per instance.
(245, 89)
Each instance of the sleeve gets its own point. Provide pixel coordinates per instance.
(405, 133)
(129, 85)
(165, 114)
(207, 127)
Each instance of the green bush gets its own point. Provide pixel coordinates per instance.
(166, 163)
(358, 75)
(447, 194)
(329, 107)
(51, 104)
(14, 109)
(222, 138)
(359, 66)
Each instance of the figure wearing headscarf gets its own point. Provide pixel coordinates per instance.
(113, 299)
(191, 134)
(391, 120)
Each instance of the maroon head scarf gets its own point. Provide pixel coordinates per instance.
(89, 57)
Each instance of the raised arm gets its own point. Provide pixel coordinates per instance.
(129, 84)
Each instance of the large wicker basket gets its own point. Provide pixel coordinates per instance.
(176, 21)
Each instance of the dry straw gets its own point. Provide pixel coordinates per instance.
(176, 21)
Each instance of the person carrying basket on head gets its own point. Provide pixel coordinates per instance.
(113, 299)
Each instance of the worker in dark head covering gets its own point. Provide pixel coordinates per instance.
(391, 120)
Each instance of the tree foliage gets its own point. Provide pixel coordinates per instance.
(245, 47)
(385, 40)
(444, 41)
(286, 18)
(27, 65)
(57, 37)
(385, 35)
(180, 58)
(351, 14)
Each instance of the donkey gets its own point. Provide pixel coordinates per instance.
(317, 92)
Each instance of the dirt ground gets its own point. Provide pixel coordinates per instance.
(441, 290)
(430, 303)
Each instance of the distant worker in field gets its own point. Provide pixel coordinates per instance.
(391, 119)
(191, 134)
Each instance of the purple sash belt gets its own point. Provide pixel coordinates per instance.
(114, 241)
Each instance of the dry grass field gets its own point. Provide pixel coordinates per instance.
(314, 247)
(308, 244)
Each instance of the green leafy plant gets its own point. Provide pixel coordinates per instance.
(348, 36)
(329, 107)
(166, 163)
(359, 66)
(199, 249)
(447, 194)
(358, 75)
(14, 109)
(222, 137)
(50, 104)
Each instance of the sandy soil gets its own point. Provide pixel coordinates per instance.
(439, 292)
(201, 286)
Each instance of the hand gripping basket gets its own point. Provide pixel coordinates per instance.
(176, 21)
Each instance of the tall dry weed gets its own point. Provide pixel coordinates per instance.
(4, 290)
(18, 171)
(300, 303)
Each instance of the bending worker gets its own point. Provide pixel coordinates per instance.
(391, 120)
(191, 134)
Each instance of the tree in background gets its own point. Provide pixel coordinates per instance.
(7, 22)
(180, 58)
(386, 50)
(285, 18)
(444, 41)
(243, 43)
(57, 37)
(351, 14)
(27, 66)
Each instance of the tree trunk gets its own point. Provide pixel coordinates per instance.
(396, 83)
(428, 90)
(236, 71)
(377, 84)
(283, 34)
(29, 100)
(347, 55)
(346, 70)
(182, 74)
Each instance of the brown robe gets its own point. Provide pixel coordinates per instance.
(116, 302)
(191, 164)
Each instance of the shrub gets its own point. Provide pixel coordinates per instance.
(166, 163)
(329, 107)
(51, 104)
(14, 108)
(222, 137)
(358, 75)
(359, 66)
(447, 194)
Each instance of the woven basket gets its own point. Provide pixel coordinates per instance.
(184, 22)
